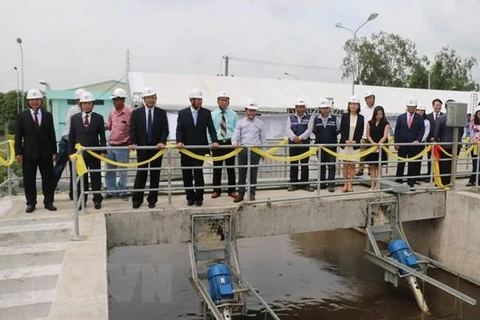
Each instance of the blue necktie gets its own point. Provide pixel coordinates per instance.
(149, 129)
(195, 116)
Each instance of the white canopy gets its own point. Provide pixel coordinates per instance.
(276, 95)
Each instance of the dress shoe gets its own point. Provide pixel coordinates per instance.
(151, 205)
(70, 196)
(199, 203)
(292, 188)
(238, 198)
(97, 205)
(233, 194)
(30, 209)
(136, 205)
(331, 189)
(252, 198)
(359, 173)
(50, 207)
(109, 196)
(215, 195)
(190, 203)
(469, 184)
(308, 188)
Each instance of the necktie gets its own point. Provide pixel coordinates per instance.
(410, 119)
(223, 125)
(37, 124)
(150, 128)
(436, 116)
(86, 123)
(195, 116)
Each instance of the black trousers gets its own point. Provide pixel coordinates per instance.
(189, 175)
(29, 170)
(473, 177)
(413, 166)
(445, 165)
(328, 162)
(95, 178)
(242, 172)
(303, 164)
(141, 177)
(217, 170)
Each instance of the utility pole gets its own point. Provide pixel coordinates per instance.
(128, 61)
(226, 65)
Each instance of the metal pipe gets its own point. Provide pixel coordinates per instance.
(453, 169)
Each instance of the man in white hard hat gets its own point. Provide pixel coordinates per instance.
(62, 157)
(224, 121)
(367, 113)
(88, 129)
(148, 127)
(409, 128)
(118, 124)
(299, 129)
(192, 125)
(248, 132)
(36, 147)
(432, 118)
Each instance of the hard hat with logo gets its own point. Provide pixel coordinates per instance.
(252, 104)
(34, 94)
(412, 102)
(300, 102)
(354, 99)
(421, 107)
(195, 94)
(78, 93)
(324, 103)
(118, 93)
(147, 92)
(223, 94)
(369, 94)
(86, 97)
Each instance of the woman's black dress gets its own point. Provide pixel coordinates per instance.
(376, 133)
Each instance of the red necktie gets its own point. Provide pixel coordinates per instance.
(37, 124)
(409, 122)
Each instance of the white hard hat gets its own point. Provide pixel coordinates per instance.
(252, 104)
(300, 102)
(324, 103)
(412, 102)
(478, 109)
(147, 92)
(368, 94)
(118, 93)
(421, 107)
(78, 93)
(195, 94)
(222, 94)
(354, 99)
(34, 94)
(86, 97)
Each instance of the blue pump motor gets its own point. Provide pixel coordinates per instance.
(400, 251)
(220, 282)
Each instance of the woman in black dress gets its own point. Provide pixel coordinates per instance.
(378, 129)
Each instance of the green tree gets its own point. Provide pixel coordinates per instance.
(8, 110)
(386, 59)
(419, 76)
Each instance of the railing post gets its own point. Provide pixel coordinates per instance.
(453, 173)
(319, 157)
(9, 177)
(249, 163)
(379, 170)
(477, 166)
(76, 227)
(169, 171)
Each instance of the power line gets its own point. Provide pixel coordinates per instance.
(111, 87)
(280, 64)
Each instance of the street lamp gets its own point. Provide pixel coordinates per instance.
(18, 90)
(19, 41)
(290, 75)
(371, 17)
(47, 89)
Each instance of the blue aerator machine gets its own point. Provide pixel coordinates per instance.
(400, 251)
(220, 282)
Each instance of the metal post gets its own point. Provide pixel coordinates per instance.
(478, 165)
(169, 170)
(354, 64)
(319, 168)
(226, 65)
(76, 227)
(19, 41)
(379, 170)
(453, 173)
(249, 162)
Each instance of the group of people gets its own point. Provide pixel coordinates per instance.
(198, 130)
(218, 133)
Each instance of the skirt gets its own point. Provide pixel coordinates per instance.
(350, 152)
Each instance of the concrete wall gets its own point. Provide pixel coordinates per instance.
(320, 214)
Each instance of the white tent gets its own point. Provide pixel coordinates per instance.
(276, 95)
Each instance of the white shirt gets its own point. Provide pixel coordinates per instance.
(72, 111)
(39, 115)
(89, 117)
(427, 130)
(367, 113)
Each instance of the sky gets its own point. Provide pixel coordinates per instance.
(73, 43)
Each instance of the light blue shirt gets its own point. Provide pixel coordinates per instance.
(249, 132)
(230, 117)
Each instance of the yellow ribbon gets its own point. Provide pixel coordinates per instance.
(417, 156)
(354, 157)
(210, 158)
(11, 153)
(80, 165)
(267, 155)
(462, 154)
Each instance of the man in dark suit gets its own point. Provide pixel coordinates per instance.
(432, 118)
(445, 134)
(192, 125)
(36, 146)
(148, 127)
(409, 128)
(88, 129)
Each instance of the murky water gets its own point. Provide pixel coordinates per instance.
(320, 275)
